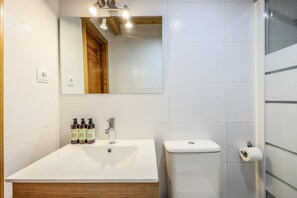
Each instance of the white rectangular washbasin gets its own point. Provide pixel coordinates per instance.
(101, 162)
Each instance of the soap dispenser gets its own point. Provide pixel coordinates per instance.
(74, 132)
(82, 132)
(91, 133)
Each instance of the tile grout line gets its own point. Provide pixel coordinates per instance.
(32, 130)
(226, 102)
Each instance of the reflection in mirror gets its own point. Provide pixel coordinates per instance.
(111, 55)
(281, 24)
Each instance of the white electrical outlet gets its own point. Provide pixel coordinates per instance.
(70, 81)
(42, 75)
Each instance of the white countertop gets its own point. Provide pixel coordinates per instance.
(129, 161)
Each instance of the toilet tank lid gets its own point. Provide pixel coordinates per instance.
(191, 146)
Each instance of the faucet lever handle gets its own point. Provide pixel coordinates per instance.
(111, 121)
(110, 124)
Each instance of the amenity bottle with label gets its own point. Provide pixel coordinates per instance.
(82, 132)
(91, 133)
(74, 132)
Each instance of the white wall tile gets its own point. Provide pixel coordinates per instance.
(239, 21)
(29, 105)
(120, 60)
(238, 136)
(135, 60)
(197, 102)
(140, 108)
(241, 183)
(200, 131)
(187, 22)
(97, 107)
(23, 149)
(156, 131)
(240, 102)
(23, 29)
(239, 61)
(237, 1)
(198, 42)
(145, 1)
(31, 109)
(197, 61)
(71, 61)
(224, 180)
(148, 9)
(70, 2)
(121, 80)
(195, 1)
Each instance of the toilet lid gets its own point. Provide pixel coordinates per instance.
(192, 146)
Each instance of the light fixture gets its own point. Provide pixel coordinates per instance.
(93, 10)
(101, 3)
(126, 13)
(103, 24)
(128, 24)
(110, 6)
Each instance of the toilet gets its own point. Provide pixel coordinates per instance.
(193, 168)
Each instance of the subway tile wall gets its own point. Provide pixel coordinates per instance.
(31, 109)
(208, 90)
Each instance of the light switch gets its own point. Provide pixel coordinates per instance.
(70, 81)
(42, 75)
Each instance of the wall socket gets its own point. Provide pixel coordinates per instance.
(42, 75)
(70, 81)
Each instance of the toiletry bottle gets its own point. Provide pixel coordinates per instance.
(82, 132)
(91, 133)
(74, 132)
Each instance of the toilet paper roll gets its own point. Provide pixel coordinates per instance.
(251, 154)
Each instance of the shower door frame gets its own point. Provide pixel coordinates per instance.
(1, 100)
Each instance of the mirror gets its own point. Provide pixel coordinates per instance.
(104, 55)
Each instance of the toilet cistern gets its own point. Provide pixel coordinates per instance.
(110, 131)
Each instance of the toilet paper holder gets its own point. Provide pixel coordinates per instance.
(249, 144)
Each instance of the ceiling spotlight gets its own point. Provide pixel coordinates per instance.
(111, 4)
(110, 7)
(103, 24)
(126, 13)
(128, 24)
(101, 3)
(93, 10)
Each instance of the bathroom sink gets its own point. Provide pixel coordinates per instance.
(124, 161)
(108, 154)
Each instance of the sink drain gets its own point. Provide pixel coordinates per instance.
(109, 150)
(191, 142)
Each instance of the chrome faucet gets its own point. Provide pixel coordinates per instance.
(110, 131)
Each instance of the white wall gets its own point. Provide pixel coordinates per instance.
(208, 87)
(135, 60)
(71, 55)
(31, 109)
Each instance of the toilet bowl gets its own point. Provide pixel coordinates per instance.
(193, 169)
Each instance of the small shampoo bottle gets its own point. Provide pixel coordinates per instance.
(82, 132)
(74, 132)
(91, 133)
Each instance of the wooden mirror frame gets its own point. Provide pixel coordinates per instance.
(1, 100)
